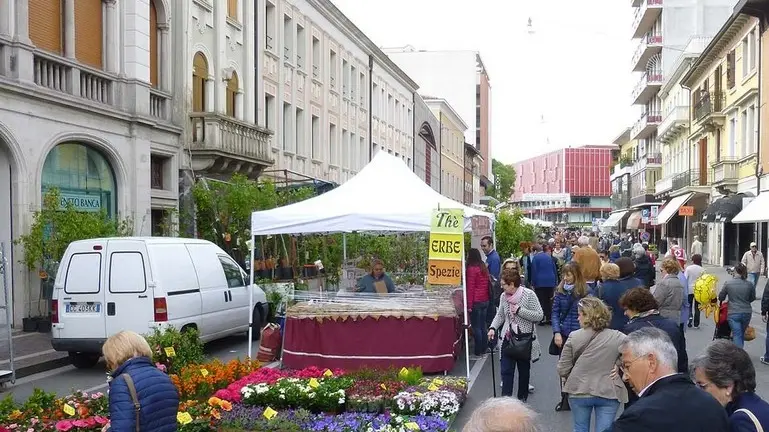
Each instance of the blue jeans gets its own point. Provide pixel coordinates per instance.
(478, 323)
(507, 370)
(739, 323)
(582, 409)
(766, 343)
(754, 278)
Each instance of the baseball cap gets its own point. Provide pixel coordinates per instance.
(752, 244)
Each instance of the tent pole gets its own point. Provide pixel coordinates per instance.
(464, 295)
(344, 247)
(251, 301)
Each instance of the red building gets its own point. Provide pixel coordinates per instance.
(568, 185)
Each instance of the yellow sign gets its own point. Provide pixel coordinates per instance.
(436, 381)
(412, 426)
(328, 373)
(269, 413)
(446, 247)
(444, 272)
(170, 352)
(432, 388)
(68, 410)
(313, 383)
(204, 372)
(184, 417)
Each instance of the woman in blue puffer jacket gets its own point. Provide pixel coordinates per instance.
(565, 314)
(136, 380)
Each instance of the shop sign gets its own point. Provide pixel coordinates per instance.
(81, 202)
(655, 211)
(446, 247)
(645, 216)
(686, 211)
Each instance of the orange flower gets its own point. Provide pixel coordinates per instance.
(214, 401)
(82, 411)
(215, 414)
(225, 405)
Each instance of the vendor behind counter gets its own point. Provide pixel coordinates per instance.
(376, 281)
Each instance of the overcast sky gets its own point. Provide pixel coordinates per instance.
(574, 71)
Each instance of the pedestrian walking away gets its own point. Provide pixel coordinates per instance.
(754, 261)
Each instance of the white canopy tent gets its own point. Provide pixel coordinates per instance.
(542, 223)
(385, 195)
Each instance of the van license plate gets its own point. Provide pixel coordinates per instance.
(83, 307)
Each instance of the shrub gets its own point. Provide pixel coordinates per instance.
(187, 348)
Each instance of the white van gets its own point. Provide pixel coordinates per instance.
(107, 285)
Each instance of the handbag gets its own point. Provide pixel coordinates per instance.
(518, 346)
(134, 398)
(554, 349)
(753, 418)
(750, 333)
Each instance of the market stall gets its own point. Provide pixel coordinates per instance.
(386, 196)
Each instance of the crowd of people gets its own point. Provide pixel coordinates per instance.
(619, 332)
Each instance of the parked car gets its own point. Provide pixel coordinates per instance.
(107, 285)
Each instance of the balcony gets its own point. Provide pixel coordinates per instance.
(691, 178)
(620, 200)
(674, 123)
(645, 16)
(646, 125)
(641, 197)
(664, 185)
(650, 45)
(726, 171)
(64, 76)
(648, 86)
(221, 146)
(635, 3)
(708, 108)
(650, 160)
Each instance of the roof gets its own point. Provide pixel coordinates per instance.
(444, 103)
(713, 51)
(331, 12)
(623, 137)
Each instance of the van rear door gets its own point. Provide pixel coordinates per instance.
(79, 291)
(129, 301)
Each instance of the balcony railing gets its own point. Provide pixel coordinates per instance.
(620, 200)
(268, 43)
(641, 13)
(315, 71)
(693, 178)
(227, 136)
(672, 122)
(707, 103)
(726, 170)
(664, 185)
(72, 78)
(159, 104)
(286, 53)
(649, 78)
(651, 158)
(650, 39)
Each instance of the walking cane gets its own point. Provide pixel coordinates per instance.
(493, 370)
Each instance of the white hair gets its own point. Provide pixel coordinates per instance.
(583, 241)
(638, 250)
(651, 340)
(505, 414)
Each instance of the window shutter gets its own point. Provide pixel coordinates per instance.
(88, 32)
(199, 76)
(232, 9)
(154, 49)
(232, 91)
(45, 25)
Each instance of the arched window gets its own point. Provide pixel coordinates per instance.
(154, 48)
(45, 25)
(89, 43)
(199, 78)
(426, 132)
(232, 95)
(83, 176)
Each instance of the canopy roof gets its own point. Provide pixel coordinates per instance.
(384, 196)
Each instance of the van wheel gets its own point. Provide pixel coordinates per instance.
(83, 360)
(257, 323)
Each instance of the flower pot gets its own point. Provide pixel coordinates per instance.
(309, 270)
(44, 325)
(29, 324)
(286, 273)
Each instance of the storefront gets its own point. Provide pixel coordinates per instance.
(680, 219)
(83, 176)
(614, 221)
(728, 240)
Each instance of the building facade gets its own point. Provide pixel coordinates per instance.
(472, 163)
(427, 156)
(330, 94)
(462, 79)
(620, 183)
(724, 133)
(452, 138)
(565, 186)
(88, 89)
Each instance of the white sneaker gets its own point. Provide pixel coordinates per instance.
(531, 388)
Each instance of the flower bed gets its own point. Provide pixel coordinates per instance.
(240, 396)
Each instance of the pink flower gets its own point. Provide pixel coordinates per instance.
(161, 366)
(79, 423)
(34, 421)
(101, 420)
(63, 425)
(97, 395)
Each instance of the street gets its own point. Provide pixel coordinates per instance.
(64, 380)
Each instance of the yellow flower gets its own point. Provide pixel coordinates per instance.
(214, 401)
(15, 414)
(225, 405)
(215, 414)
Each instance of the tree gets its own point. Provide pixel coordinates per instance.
(511, 230)
(504, 181)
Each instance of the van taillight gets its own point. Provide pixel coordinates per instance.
(54, 311)
(161, 310)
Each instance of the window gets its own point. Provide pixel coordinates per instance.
(315, 137)
(332, 69)
(232, 9)
(88, 32)
(233, 88)
(751, 139)
(363, 88)
(301, 46)
(232, 272)
(199, 78)
(749, 53)
(127, 273)
(288, 39)
(345, 78)
(269, 28)
(157, 171)
(158, 222)
(287, 135)
(333, 145)
(154, 48)
(83, 274)
(353, 83)
(375, 105)
(345, 150)
(315, 58)
(733, 137)
(744, 133)
(363, 153)
(269, 111)
(301, 146)
(45, 25)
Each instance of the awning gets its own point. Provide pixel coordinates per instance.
(724, 209)
(634, 221)
(671, 208)
(756, 211)
(613, 220)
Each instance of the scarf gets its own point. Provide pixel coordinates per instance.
(644, 315)
(568, 287)
(513, 301)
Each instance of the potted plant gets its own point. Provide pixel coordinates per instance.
(286, 271)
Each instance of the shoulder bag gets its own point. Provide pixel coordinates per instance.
(554, 349)
(518, 346)
(753, 418)
(134, 397)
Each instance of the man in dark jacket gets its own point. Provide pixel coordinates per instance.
(644, 269)
(544, 278)
(668, 401)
